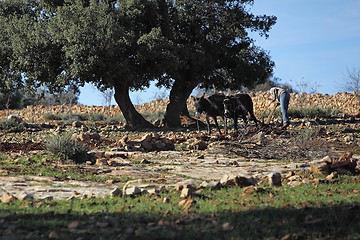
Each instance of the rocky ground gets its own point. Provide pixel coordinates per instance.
(162, 159)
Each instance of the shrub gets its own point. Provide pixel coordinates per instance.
(11, 125)
(116, 119)
(312, 112)
(69, 118)
(66, 148)
(95, 117)
(153, 116)
(50, 116)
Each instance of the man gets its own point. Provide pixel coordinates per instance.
(283, 97)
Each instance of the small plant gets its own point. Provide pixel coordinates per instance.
(116, 119)
(153, 116)
(66, 148)
(95, 117)
(305, 135)
(50, 116)
(11, 125)
(312, 112)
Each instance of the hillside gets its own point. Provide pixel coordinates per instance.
(347, 103)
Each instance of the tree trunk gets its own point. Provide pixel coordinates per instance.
(179, 93)
(134, 119)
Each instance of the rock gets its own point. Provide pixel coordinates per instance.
(73, 225)
(95, 136)
(87, 195)
(332, 175)
(144, 161)
(348, 139)
(321, 166)
(132, 191)
(274, 179)
(187, 203)
(124, 140)
(87, 136)
(116, 192)
(197, 145)
(153, 191)
(160, 145)
(7, 197)
(237, 180)
(146, 138)
(147, 145)
(24, 196)
(54, 235)
(211, 184)
(77, 124)
(187, 192)
(101, 162)
(15, 117)
(290, 174)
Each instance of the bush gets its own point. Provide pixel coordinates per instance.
(11, 125)
(116, 119)
(312, 112)
(69, 118)
(50, 116)
(153, 116)
(66, 148)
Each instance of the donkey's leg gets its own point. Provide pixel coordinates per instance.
(208, 124)
(216, 124)
(252, 116)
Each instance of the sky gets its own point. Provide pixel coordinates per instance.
(314, 44)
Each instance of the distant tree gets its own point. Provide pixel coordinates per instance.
(352, 82)
(273, 82)
(107, 96)
(305, 86)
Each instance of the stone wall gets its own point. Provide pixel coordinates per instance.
(345, 102)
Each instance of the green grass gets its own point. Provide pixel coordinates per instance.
(36, 166)
(318, 211)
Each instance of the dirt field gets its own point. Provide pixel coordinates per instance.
(193, 156)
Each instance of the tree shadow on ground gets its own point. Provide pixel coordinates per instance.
(336, 222)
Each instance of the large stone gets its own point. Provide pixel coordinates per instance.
(132, 191)
(116, 192)
(24, 196)
(7, 197)
(210, 184)
(237, 180)
(187, 192)
(187, 203)
(321, 166)
(274, 179)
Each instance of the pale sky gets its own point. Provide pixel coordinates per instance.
(313, 44)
